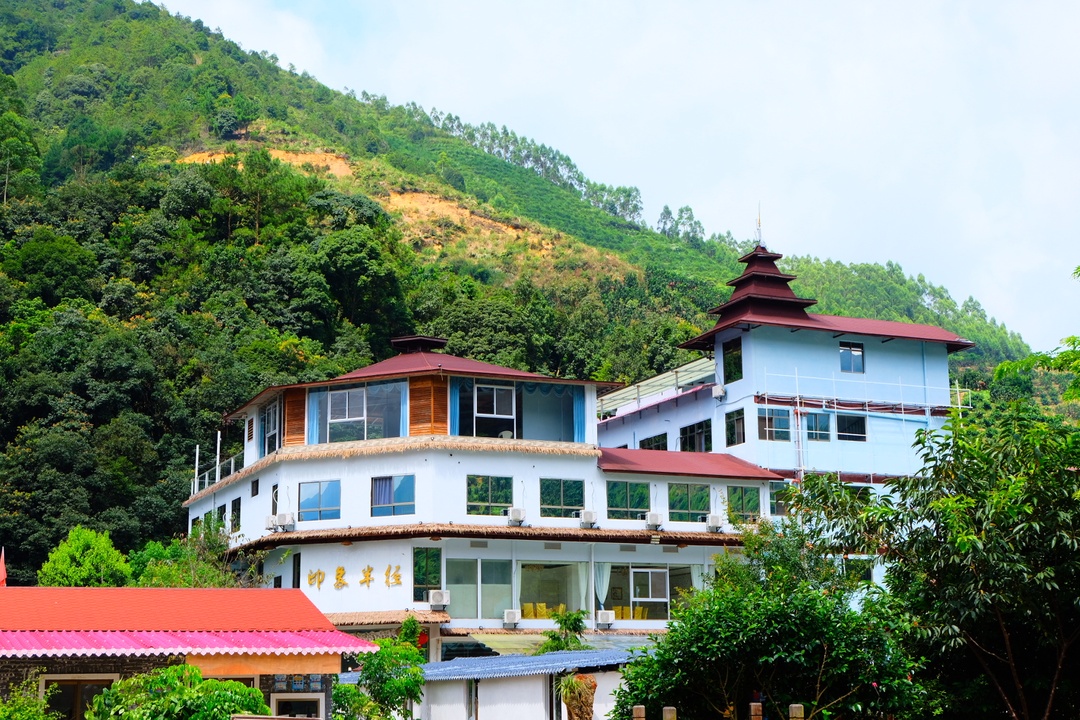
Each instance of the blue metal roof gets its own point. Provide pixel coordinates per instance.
(501, 666)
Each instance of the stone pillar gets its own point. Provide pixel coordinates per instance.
(795, 712)
(755, 711)
(639, 712)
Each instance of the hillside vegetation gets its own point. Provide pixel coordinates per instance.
(142, 296)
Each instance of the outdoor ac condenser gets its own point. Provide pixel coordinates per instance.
(588, 518)
(605, 618)
(516, 515)
(439, 599)
(511, 617)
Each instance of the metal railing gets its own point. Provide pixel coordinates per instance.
(217, 473)
(698, 372)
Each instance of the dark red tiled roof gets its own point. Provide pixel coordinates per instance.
(666, 462)
(426, 363)
(64, 609)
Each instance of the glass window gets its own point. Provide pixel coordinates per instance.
(347, 418)
(296, 570)
(320, 500)
(851, 357)
(495, 411)
(234, 515)
(489, 495)
(627, 500)
(687, 502)
(273, 500)
(744, 503)
(649, 593)
(427, 572)
(270, 418)
(549, 587)
(393, 495)
(254, 487)
(734, 427)
(696, 437)
(561, 498)
(461, 584)
(656, 442)
(732, 360)
(779, 497)
(817, 427)
(73, 697)
(774, 424)
(851, 427)
(496, 594)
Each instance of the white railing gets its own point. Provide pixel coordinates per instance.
(672, 382)
(217, 473)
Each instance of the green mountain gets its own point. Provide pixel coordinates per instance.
(143, 291)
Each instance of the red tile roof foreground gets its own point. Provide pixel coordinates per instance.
(158, 609)
(52, 643)
(666, 462)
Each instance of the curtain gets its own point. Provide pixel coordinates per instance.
(382, 491)
(455, 411)
(579, 414)
(403, 398)
(583, 585)
(602, 578)
(697, 576)
(517, 583)
(316, 422)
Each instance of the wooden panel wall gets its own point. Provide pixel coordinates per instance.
(295, 416)
(429, 401)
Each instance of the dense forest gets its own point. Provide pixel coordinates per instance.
(142, 296)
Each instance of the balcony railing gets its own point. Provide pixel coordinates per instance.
(217, 473)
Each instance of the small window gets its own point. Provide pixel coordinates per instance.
(221, 515)
(234, 515)
(489, 495)
(427, 572)
(273, 500)
(779, 497)
(744, 503)
(561, 498)
(656, 442)
(393, 495)
(347, 419)
(320, 500)
(277, 581)
(687, 502)
(735, 427)
(74, 695)
(851, 428)
(774, 424)
(270, 417)
(296, 570)
(732, 360)
(817, 427)
(851, 357)
(696, 437)
(254, 487)
(860, 568)
(494, 401)
(627, 500)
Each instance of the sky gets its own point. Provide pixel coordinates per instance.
(941, 136)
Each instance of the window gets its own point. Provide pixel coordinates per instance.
(773, 424)
(687, 502)
(74, 694)
(347, 419)
(489, 495)
(320, 500)
(744, 503)
(303, 705)
(393, 495)
(561, 498)
(817, 427)
(643, 592)
(735, 427)
(269, 421)
(649, 591)
(656, 442)
(851, 357)
(859, 568)
(851, 427)
(427, 572)
(696, 437)
(489, 599)
(273, 500)
(234, 515)
(732, 359)
(221, 515)
(494, 409)
(254, 487)
(277, 581)
(551, 587)
(627, 500)
(296, 570)
(779, 497)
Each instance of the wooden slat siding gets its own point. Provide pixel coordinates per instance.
(428, 406)
(295, 416)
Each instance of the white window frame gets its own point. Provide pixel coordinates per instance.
(495, 402)
(349, 417)
(650, 570)
(276, 697)
(853, 350)
(271, 412)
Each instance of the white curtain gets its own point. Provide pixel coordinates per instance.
(697, 576)
(602, 578)
(583, 585)
(517, 584)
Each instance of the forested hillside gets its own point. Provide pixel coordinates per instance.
(142, 296)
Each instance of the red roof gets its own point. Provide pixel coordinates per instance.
(426, 363)
(53, 643)
(666, 462)
(158, 609)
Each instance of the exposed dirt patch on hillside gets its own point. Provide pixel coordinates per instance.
(336, 165)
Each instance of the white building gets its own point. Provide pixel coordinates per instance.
(483, 498)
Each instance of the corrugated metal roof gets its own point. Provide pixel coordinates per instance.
(158, 609)
(667, 462)
(46, 643)
(502, 666)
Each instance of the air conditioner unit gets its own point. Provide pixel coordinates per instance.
(516, 515)
(714, 523)
(439, 599)
(588, 518)
(271, 522)
(652, 520)
(719, 392)
(286, 519)
(511, 617)
(605, 618)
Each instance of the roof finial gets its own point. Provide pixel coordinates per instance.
(757, 237)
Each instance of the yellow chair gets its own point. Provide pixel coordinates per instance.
(639, 613)
(618, 612)
(627, 614)
(528, 611)
(561, 608)
(541, 610)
